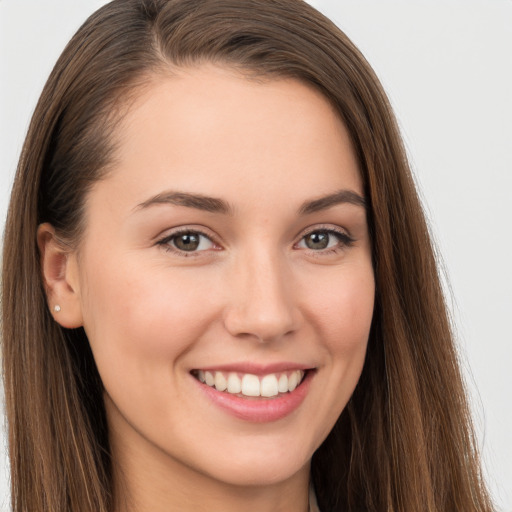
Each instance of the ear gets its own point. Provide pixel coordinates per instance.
(59, 267)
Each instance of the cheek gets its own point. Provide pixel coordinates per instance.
(344, 310)
(142, 318)
(341, 311)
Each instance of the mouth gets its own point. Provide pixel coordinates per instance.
(255, 393)
(248, 385)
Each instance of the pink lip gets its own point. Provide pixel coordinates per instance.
(258, 410)
(256, 369)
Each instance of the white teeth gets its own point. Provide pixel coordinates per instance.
(220, 381)
(293, 381)
(251, 385)
(234, 384)
(209, 378)
(269, 386)
(282, 385)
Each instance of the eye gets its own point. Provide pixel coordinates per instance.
(187, 241)
(322, 239)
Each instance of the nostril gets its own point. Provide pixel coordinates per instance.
(262, 305)
(263, 326)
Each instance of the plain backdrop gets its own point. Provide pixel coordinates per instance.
(447, 68)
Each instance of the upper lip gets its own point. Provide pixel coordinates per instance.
(256, 368)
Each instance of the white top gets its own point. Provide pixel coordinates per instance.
(313, 505)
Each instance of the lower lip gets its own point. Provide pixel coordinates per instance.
(259, 410)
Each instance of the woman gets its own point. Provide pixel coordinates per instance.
(218, 288)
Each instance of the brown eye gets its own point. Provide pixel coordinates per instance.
(318, 240)
(322, 239)
(187, 241)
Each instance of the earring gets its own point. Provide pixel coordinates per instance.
(56, 308)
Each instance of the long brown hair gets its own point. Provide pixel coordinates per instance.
(404, 442)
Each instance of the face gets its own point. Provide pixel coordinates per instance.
(225, 278)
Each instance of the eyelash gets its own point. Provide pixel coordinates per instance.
(344, 241)
(166, 242)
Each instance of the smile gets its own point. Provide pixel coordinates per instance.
(250, 385)
(255, 394)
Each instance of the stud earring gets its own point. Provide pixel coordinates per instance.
(56, 308)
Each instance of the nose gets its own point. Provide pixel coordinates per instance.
(262, 304)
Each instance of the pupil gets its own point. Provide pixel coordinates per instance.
(317, 240)
(187, 242)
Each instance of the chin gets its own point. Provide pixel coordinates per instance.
(261, 467)
(259, 475)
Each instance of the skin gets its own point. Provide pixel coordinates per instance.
(253, 291)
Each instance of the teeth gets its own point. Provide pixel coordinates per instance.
(282, 385)
(269, 386)
(252, 385)
(220, 381)
(209, 378)
(293, 381)
(234, 384)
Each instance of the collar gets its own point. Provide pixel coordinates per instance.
(313, 505)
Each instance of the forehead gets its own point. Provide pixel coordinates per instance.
(213, 130)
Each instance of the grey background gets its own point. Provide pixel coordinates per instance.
(447, 67)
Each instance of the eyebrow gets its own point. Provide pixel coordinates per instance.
(339, 197)
(216, 205)
(197, 201)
